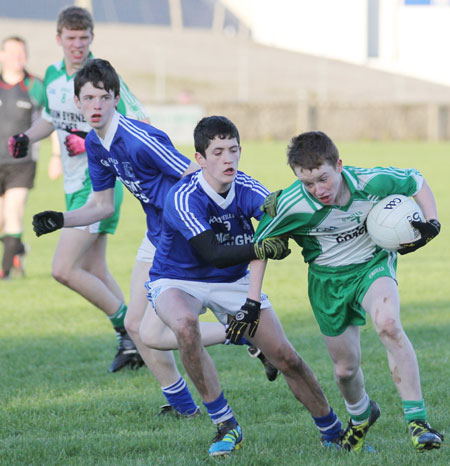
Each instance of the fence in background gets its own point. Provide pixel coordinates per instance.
(343, 121)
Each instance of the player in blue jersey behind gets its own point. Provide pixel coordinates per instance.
(202, 262)
(144, 159)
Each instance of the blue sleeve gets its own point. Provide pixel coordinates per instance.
(158, 151)
(102, 177)
(185, 214)
(253, 195)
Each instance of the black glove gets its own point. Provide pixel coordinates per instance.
(247, 317)
(18, 145)
(270, 203)
(79, 133)
(428, 230)
(48, 221)
(272, 248)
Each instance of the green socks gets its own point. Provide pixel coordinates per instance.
(414, 410)
(360, 411)
(118, 317)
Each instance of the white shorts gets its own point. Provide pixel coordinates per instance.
(222, 298)
(146, 251)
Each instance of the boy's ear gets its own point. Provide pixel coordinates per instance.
(77, 102)
(200, 159)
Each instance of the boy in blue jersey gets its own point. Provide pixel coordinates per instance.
(144, 159)
(325, 211)
(201, 262)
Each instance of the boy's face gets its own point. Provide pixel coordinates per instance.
(97, 106)
(13, 56)
(323, 183)
(75, 44)
(221, 163)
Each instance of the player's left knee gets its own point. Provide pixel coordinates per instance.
(288, 361)
(389, 329)
(345, 372)
(62, 275)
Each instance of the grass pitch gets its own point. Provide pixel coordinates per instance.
(60, 406)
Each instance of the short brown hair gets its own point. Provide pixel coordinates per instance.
(74, 18)
(311, 150)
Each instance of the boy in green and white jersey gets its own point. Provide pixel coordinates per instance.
(80, 257)
(60, 110)
(325, 211)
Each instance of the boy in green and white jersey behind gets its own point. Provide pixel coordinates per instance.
(324, 211)
(80, 257)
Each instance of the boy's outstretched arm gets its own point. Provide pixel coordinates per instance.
(101, 206)
(225, 255)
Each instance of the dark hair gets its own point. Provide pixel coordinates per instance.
(74, 18)
(100, 73)
(311, 150)
(15, 39)
(210, 127)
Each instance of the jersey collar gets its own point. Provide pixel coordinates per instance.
(22, 83)
(352, 182)
(216, 197)
(111, 132)
(64, 68)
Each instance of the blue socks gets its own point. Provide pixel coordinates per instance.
(219, 411)
(179, 396)
(329, 426)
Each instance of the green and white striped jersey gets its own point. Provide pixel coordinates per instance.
(337, 235)
(61, 111)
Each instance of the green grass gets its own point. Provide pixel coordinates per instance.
(60, 406)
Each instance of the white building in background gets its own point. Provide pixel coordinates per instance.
(410, 37)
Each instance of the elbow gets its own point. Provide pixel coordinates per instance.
(219, 263)
(103, 210)
(108, 212)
